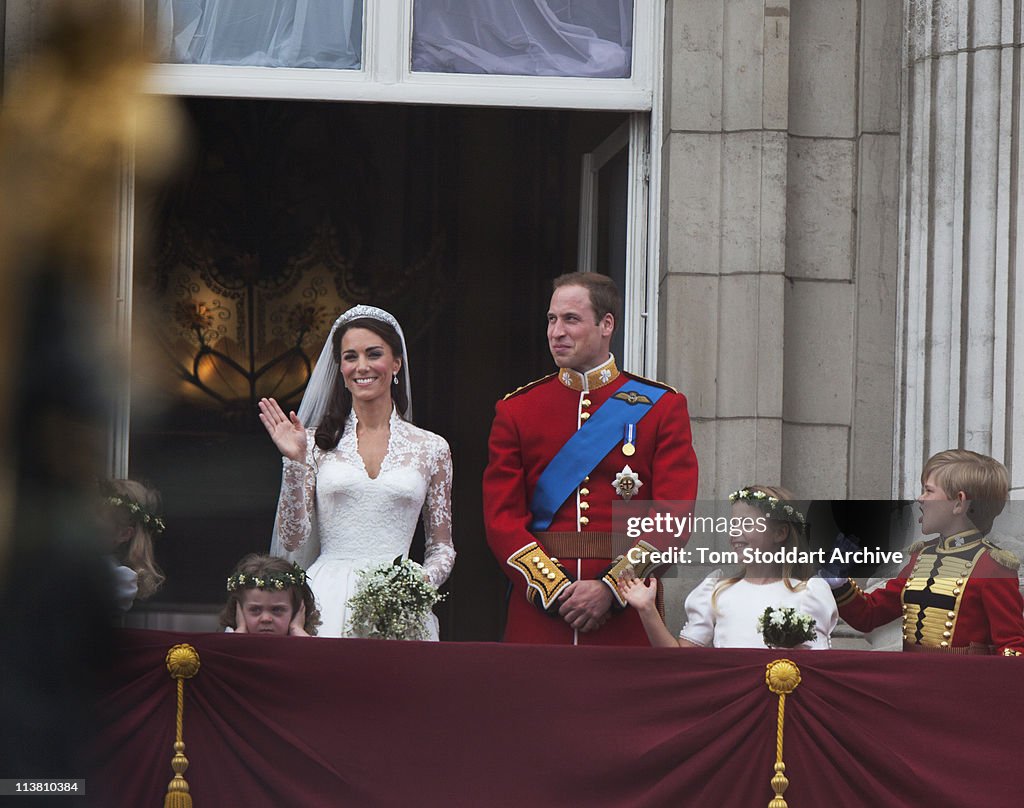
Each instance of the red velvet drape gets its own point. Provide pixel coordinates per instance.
(317, 722)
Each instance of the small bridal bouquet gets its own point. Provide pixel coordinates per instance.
(785, 627)
(393, 602)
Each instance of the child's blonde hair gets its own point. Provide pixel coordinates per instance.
(135, 505)
(778, 505)
(983, 479)
(261, 571)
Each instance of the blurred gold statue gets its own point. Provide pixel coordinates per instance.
(76, 130)
(78, 138)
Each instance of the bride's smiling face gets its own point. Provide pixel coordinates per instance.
(368, 365)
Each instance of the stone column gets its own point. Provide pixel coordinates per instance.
(841, 248)
(780, 207)
(720, 319)
(961, 359)
(724, 210)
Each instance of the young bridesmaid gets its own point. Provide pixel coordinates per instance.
(269, 595)
(130, 517)
(723, 612)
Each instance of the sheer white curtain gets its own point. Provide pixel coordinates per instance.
(267, 33)
(591, 38)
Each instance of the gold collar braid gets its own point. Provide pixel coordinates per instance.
(603, 374)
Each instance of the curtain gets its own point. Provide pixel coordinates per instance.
(324, 722)
(266, 33)
(590, 38)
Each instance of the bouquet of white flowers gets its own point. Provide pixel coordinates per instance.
(393, 602)
(785, 627)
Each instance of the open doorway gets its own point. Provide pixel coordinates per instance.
(455, 219)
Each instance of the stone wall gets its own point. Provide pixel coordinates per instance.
(841, 248)
(780, 242)
(780, 239)
(722, 282)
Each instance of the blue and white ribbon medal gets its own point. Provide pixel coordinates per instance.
(629, 440)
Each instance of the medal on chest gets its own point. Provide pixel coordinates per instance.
(629, 440)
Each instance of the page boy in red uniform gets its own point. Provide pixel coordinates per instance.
(960, 593)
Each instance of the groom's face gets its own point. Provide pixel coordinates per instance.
(576, 338)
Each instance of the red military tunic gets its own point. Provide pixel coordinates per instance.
(530, 427)
(959, 595)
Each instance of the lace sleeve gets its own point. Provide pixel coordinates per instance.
(298, 487)
(439, 555)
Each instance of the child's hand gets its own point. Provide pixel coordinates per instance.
(297, 628)
(639, 594)
(835, 575)
(239, 620)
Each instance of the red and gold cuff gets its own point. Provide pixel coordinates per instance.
(545, 578)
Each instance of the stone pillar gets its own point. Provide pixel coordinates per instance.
(724, 208)
(720, 319)
(780, 206)
(961, 359)
(841, 248)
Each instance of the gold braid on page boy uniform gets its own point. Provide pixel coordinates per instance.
(957, 595)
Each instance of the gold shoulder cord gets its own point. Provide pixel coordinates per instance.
(527, 386)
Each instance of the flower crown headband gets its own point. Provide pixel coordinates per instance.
(773, 507)
(153, 523)
(268, 580)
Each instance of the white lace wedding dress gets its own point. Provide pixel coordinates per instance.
(364, 521)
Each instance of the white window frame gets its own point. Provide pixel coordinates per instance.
(386, 76)
(634, 135)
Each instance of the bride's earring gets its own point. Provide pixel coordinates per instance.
(396, 378)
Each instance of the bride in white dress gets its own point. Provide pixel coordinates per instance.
(356, 473)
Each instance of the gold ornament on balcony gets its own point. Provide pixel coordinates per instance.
(782, 678)
(182, 663)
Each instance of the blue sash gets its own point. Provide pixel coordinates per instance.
(585, 449)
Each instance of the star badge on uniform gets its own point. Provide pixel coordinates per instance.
(627, 483)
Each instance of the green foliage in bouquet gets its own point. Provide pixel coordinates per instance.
(785, 627)
(393, 602)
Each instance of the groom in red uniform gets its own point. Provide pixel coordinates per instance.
(563, 450)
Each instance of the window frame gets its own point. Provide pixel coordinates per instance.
(386, 74)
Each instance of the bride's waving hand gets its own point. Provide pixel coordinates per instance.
(286, 431)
